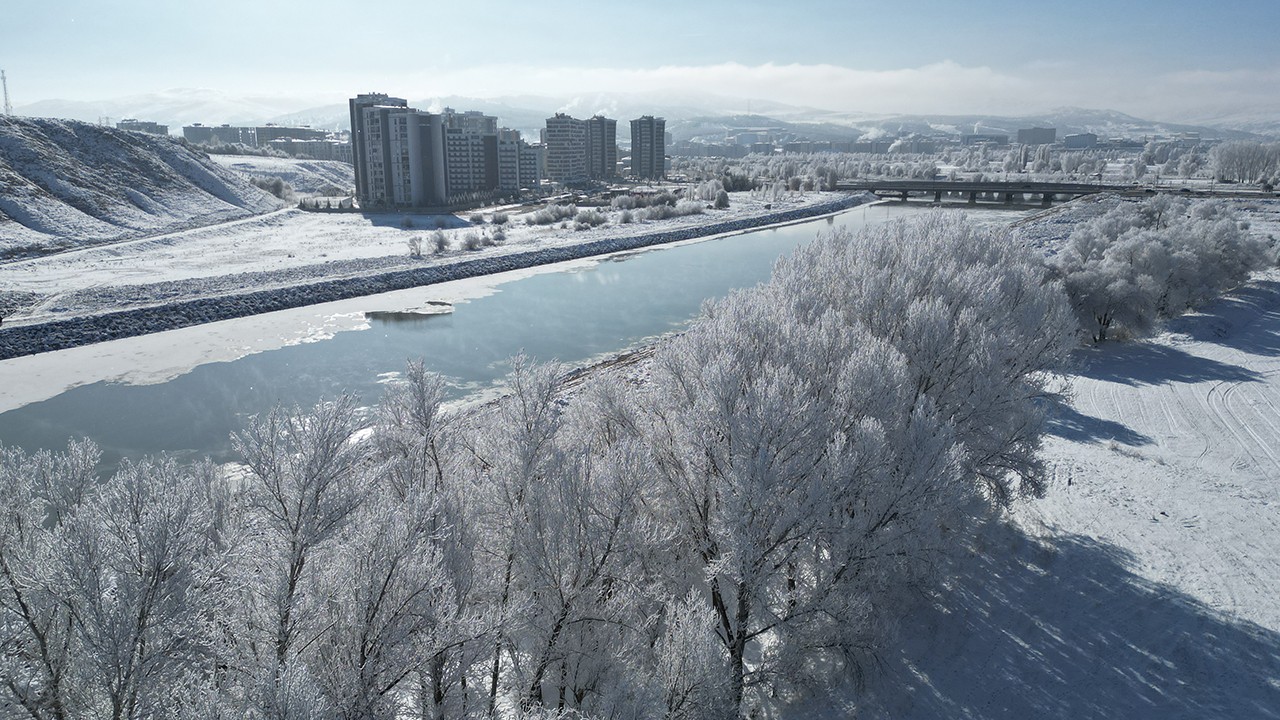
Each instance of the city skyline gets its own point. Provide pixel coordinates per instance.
(1173, 60)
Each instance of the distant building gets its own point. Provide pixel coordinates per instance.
(875, 147)
(913, 145)
(143, 126)
(259, 136)
(984, 139)
(1080, 141)
(566, 153)
(315, 149)
(648, 147)
(1037, 136)
(220, 134)
(602, 148)
(264, 134)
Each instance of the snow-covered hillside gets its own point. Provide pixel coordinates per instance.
(306, 177)
(67, 184)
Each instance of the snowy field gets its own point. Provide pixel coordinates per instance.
(1145, 584)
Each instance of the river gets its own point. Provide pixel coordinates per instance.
(183, 392)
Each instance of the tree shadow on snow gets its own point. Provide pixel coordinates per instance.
(1245, 320)
(1070, 424)
(1141, 363)
(1062, 628)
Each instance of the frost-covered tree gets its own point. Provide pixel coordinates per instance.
(38, 655)
(803, 478)
(109, 587)
(307, 477)
(1246, 161)
(1140, 262)
(971, 311)
(139, 569)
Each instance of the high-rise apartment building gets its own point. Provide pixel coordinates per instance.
(411, 158)
(517, 162)
(566, 143)
(602, 147)
(648, 147)
(370, 144)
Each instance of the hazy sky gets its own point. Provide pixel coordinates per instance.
(1162, 59)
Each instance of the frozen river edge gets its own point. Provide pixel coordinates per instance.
(17, 341)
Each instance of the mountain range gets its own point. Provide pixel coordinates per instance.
(687, 117)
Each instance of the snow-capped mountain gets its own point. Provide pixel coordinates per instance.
(528, 112)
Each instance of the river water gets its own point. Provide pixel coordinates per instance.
(575, 314)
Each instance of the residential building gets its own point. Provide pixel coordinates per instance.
(264, 134)
(411, 158)
(314, 149)
(1037, 136)
(371, 144)
(1080, 141)
(566, 149)
(602, 148)
(517, 162)
(257, 136)
(984, 139)
(142, 126)
(648, 147)
(219, 134)
(533, 165)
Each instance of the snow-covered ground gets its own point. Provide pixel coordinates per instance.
(1145, 585)
(66, 184)
(306, 177)
(288, 247)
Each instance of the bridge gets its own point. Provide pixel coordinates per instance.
(988, 190)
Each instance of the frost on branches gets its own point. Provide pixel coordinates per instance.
(737, 532)
(1143, 262)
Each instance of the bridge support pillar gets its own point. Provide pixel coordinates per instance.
(1008, 198)
(904, 196)
(937, 196)
(973, 198)
(1046, 200)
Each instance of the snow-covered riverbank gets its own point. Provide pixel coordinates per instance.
(84, 302)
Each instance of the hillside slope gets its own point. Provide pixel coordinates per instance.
(67, 184)
(306, 177)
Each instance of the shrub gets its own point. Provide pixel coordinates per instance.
(276, 186)
(590, 218)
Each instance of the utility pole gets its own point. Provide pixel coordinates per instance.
(8, 109)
